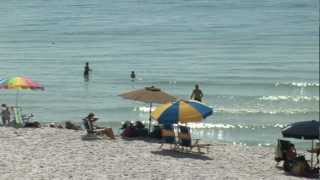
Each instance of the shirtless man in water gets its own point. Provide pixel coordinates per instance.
(197, 94)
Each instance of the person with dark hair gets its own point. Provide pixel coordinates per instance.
(89, 121)
(140, 129)
(129, 130)
(292, 153)
(86, 71)
(197, 94)
(133, 76)
(297, 164)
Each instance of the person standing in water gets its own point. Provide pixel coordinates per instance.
(87, 71)
(197, 94)
(133, 76)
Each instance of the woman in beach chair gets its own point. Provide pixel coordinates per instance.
(93, 130)
(168, 136)
(88, 125)
(293, 163)
(286, 152)
(185, 140)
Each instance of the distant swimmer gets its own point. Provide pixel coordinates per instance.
(197, 94)
(133, 76)
(87, 71)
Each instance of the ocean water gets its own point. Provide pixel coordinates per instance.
(257, 62)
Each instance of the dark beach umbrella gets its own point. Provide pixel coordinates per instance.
(149, 95)
(302, 130)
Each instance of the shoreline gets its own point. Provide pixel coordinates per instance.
(52, 153)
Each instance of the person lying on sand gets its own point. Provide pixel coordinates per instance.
(70, 125)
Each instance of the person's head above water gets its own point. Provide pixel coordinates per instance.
(197, 86)
(132, 75)
(87, 63)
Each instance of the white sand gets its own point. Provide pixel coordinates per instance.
(49, 153)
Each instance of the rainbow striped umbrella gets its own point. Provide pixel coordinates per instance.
(181, 111)
(20, 83)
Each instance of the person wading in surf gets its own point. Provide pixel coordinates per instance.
(197, 94)
(86, 71)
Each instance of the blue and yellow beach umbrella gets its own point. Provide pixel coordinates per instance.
(181, 112)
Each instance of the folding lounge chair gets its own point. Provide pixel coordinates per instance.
(168, 136)
(17, 117)
(185, 140)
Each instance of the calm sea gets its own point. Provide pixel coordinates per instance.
(257, 62)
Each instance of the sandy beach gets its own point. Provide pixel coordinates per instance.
(50, 153)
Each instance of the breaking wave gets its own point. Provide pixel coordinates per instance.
(289, 98)
(298, 84)
(230, 126)
(262, 111)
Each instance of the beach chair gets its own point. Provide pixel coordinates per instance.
(168, 136)
(96, 132)
(27, 118)
(186, 142)
(18, 122)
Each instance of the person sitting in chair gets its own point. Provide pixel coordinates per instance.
(297, 164)
(291, 153)
(88, 122)
(91, 127)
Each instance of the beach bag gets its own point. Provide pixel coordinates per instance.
(34, 124)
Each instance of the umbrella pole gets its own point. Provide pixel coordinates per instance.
(150, 118)
(17, 95)
(312, 154)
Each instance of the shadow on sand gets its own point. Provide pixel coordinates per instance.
(177, 154)
(146, 139)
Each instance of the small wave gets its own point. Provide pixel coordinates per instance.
(290, 98)
(230, 126)
(298, 84)
(279, 125)
(261, 111)
(144, 109)
(209, 125)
